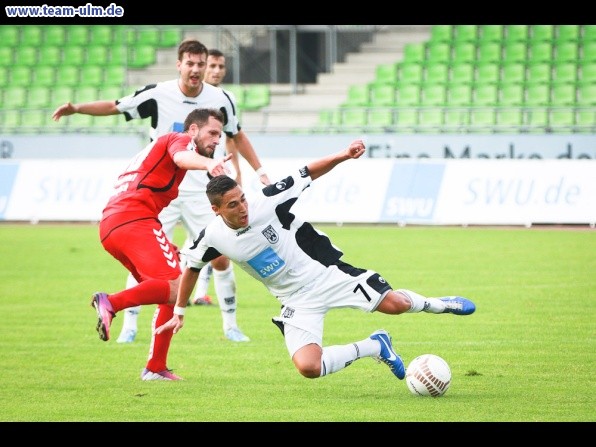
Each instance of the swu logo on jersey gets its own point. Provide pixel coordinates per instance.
(271, 234)
(266, 263)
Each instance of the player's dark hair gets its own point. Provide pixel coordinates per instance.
(218, 186)
(215, 53)
(201, 116)
(191, 46)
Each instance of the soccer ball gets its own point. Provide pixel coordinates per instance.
(428, 375)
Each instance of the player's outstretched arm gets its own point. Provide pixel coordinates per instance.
(244, 146)
(192, 161)
(188, 281)
(323, 165)
(95, 108)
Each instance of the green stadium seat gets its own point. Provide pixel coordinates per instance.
(25, 56)
(39, 97)
(456, 118)
(54, 35)
(586, 94)
(386, 73)
(44, 76)
(10, 119)
(566, 51)
(354, 117)
(514, 72)
(441, 33)
(73, 55)
(140, 56)
(67, 75)
(31, 35)
(438, 52)
(538, 94)
(6, 56)
(380, 118)
(79, 120)
(539, 72)
(256, 96)
(77, 35)
(49, 55)
(515, 52)
(101, 35)
(488, 73)
(97, 55)
(464, 52)
(462, 73)
(587, 71)
(537, 118)
(436, 72)
(430, 119)
(433, 94)
(562, 119)
(86, 93)
(329, 118)
(91, 75)
(118, 55)
(516, 33)
(565, 72)
(459, 95)
(540, 52)
(586, 118)
(358, 95)
(486, 94)
(170, 37)
(15, 98)
(148, 36)
(62, 94)
(414, 52)
(511, 94)
(9, 35)
(563, 94)
(21, 76)
(588, 33)
(4, 77)
(406, 118)
(465, 33)
(34, 118)
(238, 91)
(509, 117)
(114, 75)
(410, 72)
(113, 92)
(382, 94)
(482, 118)
(408, 94)
(566, 33)
(490, 33)
(542, 33)
(489, 52)
(588, 51)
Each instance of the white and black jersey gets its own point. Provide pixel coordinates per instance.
(276, 248)
(167, 108)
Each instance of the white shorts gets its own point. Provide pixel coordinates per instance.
(193, 211)
(302, 313)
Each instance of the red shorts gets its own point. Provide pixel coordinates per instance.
(143, 248)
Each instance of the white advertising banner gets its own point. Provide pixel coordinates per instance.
(422, 191)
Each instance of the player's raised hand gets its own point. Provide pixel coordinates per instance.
(356, 149)
(64, 110)
(218, 167)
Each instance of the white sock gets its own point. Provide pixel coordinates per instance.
(131, 314)
(338, 357)
(423, 304)
(225, 288)
(203, 281)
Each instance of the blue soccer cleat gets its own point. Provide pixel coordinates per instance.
(388, 355)
(458, 305)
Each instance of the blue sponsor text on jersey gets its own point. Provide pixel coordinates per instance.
(266, 263)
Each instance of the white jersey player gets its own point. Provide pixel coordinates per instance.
(302, 268)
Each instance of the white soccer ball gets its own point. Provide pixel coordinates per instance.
(428, 375)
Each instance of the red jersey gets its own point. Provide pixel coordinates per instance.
(150, 181)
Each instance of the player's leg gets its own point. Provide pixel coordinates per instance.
(225, 288)
(402, 300)
(201, 298)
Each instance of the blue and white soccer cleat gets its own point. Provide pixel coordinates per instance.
(388, 355)
(127, 336)
(458, 305)
(235, 334)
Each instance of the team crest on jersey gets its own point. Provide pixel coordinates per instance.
(270, 234)
(288, 312)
